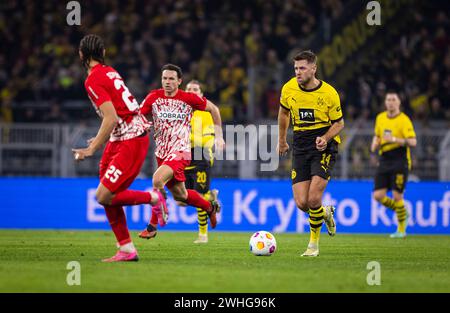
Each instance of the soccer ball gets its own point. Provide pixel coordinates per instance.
(263, 243)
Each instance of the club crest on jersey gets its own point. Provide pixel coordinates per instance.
(306, 115)
(172, 116)
(320, 101)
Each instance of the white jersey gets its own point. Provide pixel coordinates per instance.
(172, 120)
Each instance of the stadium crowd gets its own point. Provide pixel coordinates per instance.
(213, 41)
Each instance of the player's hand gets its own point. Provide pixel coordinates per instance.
(282, 148)
(81, 154)
(321, 143)
(219, 144)
(389, 138)
(90, 140)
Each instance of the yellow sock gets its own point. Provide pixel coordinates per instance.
(202, 218)
(388, 202)
(207, 196)
(402, 216)
(315, 223)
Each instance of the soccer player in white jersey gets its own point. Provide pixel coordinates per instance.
(171, 110)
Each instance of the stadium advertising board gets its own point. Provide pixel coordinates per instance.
(248, 205)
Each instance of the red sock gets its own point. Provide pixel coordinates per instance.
(131, 197)
(118, 222)
(154, 219)
(197, 201)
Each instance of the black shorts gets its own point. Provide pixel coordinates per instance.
(314, 163)
(391, 177)
(198, 178)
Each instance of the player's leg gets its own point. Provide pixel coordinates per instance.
(300, 191)
(126, 160)
(162, 177)
(202, 185)
(301, 182)
(117, 220)
(115, 214)
(126, 197)
(382, 184)
(380, 195)
(195, 199)
(159, 212)
(316, 214)
(193, 178)
(399, 206)
(321, 167)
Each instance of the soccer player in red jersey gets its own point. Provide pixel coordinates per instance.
(171, 110)
(122, 159)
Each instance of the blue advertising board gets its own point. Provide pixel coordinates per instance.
(248, 205)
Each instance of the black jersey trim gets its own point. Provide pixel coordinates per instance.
(310, 124)
(335, 121)
(284, 107)
(313, 89)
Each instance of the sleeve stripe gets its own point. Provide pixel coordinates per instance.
(335, 121)
(284, 107)
(92, 91)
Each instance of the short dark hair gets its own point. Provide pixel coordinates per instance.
(173, 67)
(392, 92)
(195, 82)
(307, 55)
(92, 47)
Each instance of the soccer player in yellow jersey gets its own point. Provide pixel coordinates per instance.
(394, 135)
(314, 108)
(198, 173)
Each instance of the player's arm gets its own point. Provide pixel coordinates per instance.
(337, 122)
(145, 108)
(217, 119)
(410, 142)
(283, 124)
(376, 140)
(109, 121)
(409, 136)
(333, 131)
(375, 143)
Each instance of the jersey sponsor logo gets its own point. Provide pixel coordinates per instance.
(172, 116)
(306, 115)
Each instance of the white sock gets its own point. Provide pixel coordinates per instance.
(129, 248)
(155, 198)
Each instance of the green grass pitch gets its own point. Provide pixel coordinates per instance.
(35, 261)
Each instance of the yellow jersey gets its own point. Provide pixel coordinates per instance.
(202, 139)
(399, 126)
(312, 112)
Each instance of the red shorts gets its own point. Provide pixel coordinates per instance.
(177, 162)
(122, 161)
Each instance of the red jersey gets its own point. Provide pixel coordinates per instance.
(105, 84)
(172, 120)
